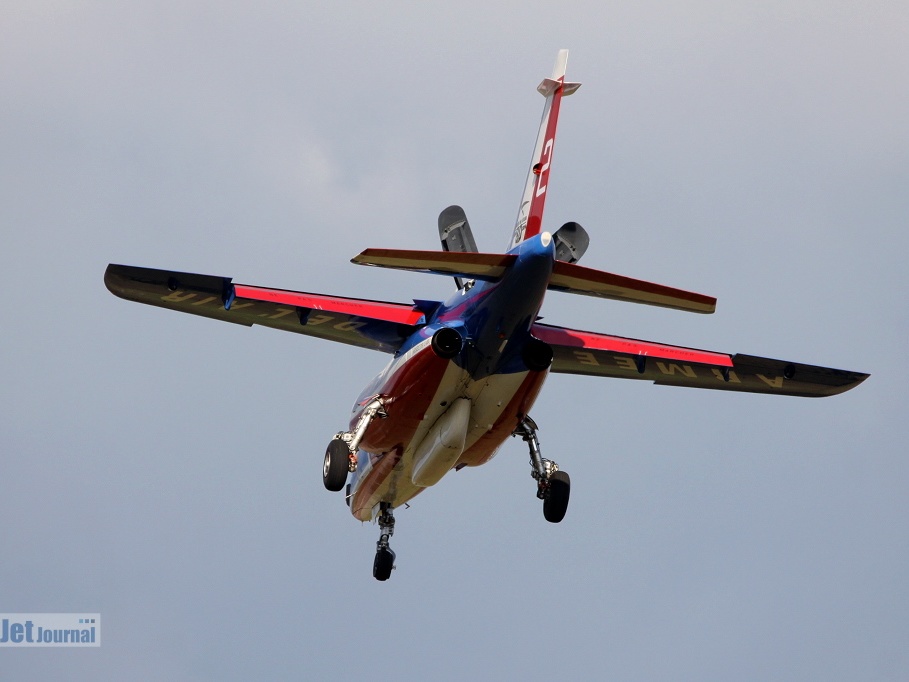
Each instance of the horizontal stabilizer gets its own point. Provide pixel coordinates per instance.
(359, 322)
(483, 266)
(590, 353)
(576, 279)
(567, 277)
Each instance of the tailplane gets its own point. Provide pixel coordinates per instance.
(566, 276)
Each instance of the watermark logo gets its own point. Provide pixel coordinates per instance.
(50, 629)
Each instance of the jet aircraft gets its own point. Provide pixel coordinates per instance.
(464, 373)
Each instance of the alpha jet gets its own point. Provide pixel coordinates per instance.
(464, 373)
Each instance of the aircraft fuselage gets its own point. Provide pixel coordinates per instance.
(422, 393)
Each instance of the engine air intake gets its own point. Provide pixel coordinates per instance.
(537, 355)
(447, 343)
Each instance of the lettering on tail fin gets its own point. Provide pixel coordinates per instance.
(518, 235)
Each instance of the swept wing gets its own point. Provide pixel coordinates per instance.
(582, 352)
(368, 324)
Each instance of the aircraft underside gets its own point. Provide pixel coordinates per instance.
(460, 421)
(464, 421)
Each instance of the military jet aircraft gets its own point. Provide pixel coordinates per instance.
(464, 373)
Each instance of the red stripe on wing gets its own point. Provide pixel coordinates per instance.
(575, 338)
(377, 310)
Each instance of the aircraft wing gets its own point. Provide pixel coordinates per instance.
(368, 324)
(580, 352)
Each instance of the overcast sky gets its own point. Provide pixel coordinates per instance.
(164, 470)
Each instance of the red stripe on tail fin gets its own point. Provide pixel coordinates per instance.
(530, 214)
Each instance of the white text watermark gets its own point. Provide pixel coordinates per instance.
(50, 629)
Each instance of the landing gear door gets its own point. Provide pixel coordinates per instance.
(454, 231)
(571, 242)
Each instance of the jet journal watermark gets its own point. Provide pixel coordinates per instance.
(50, 629)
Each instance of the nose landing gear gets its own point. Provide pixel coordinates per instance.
(384, 562)
(553, 485)
(555, 501)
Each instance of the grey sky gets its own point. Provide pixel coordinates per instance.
(163, 470)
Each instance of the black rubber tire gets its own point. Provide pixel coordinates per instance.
(556, 503)
(335, 466)
(383, 564)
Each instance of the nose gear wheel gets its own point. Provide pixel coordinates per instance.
(384, 562)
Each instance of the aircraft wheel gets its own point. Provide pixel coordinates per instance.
(384, 562)
(335, 466)
(556, 503)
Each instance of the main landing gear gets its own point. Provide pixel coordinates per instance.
(341, 453)
(553, 485)
(385, 558)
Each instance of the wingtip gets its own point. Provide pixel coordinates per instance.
(855, 378)
(709, 306)
(859, 378)
(112, 279)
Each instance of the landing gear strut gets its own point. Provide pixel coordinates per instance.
(553, 485)
(341, 454)
(385, 557)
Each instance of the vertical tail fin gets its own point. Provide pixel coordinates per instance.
(530, 215)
